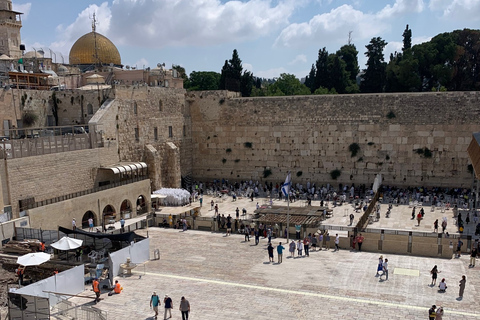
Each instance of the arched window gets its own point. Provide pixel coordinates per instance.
(89, 109)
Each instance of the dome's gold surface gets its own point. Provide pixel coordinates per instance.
(83, 50)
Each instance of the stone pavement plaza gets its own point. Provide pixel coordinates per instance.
(228, 278)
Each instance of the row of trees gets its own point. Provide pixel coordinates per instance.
(449, 61)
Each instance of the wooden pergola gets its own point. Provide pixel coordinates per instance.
(35, 81)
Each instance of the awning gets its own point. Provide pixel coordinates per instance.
(124, 167)
(126, 236)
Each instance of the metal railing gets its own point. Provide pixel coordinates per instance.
(84, 192)
(67, 309)
(28, 147)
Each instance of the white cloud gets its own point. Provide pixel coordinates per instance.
(195, 22)
(339, 21)
(24, 8)
(247, 67)
(332, 25)
(141, 63)
(458, 9)
(301, 58)
(418, 40)
(401, 7)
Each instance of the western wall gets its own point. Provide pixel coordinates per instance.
(238, 138)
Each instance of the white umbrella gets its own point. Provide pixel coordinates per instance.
(33, 259)
(67, 243)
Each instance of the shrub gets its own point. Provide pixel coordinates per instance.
(354, 148)
(390, 115)
(470, 168)
(221, 101)
(248, 145)
(299, 173)
(29, 118)
(267, 173)
(360, 159)
(237, 160)
(228, 150)
(387, 157)
(371, 143)
(335, 174)
(224, 160)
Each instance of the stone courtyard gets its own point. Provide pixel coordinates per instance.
(228, 278)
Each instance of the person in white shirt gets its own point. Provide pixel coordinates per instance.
(337, 241)
(385, 269)
(74, 224)
(442, 286)
(300, 247)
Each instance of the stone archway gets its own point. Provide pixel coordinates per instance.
(87, 215)
(108, 214)
(126, 209)
(141, 204)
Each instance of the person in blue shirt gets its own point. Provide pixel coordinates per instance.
(155, 302)
(280, 249)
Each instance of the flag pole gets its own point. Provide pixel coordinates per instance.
(288, 217)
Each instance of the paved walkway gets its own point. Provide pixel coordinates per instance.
(228, 278)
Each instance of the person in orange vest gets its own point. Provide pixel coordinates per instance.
(42, 246)
(55, 271)
(117, 288)
(96, 289)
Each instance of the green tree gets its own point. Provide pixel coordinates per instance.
(287, 85)
(339, 78)
(349, 54)
(246, 84)
(202, 80)
(373, 80)
(232, 73)
(310, 79)
(321, 66)
(407, 39)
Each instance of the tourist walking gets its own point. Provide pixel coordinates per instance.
(229, 228)
(247, 233)
(184, 308)
(270, 252)
(337, 241)
(379, 265)
(298, 229)
(432, 313)
(292, 249)
(385, 269)
(444, 224)
(167, 302)
(90, 224)
(459, 248)
(306, 244)
(434, 273)
(300, 247)
(154, 303)
(360, 239)
(462, 287)
(257, 236)
(435, 226)
(419, 218)
(439, 313)
(351, 218)
(280, 249)
(327, 241)
(473, 256)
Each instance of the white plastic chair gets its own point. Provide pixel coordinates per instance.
(93, 256)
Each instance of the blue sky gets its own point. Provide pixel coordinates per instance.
(271, 36)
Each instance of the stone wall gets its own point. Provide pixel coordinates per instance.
(311, 136)
(74, 106)
(48, 176)
(147, 110)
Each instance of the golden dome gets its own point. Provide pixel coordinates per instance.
(83, 50)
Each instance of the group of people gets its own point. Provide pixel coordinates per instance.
(442, 286)
(168, 304)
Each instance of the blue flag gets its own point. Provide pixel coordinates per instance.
(287, 184)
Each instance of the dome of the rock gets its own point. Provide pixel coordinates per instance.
(94, 49)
